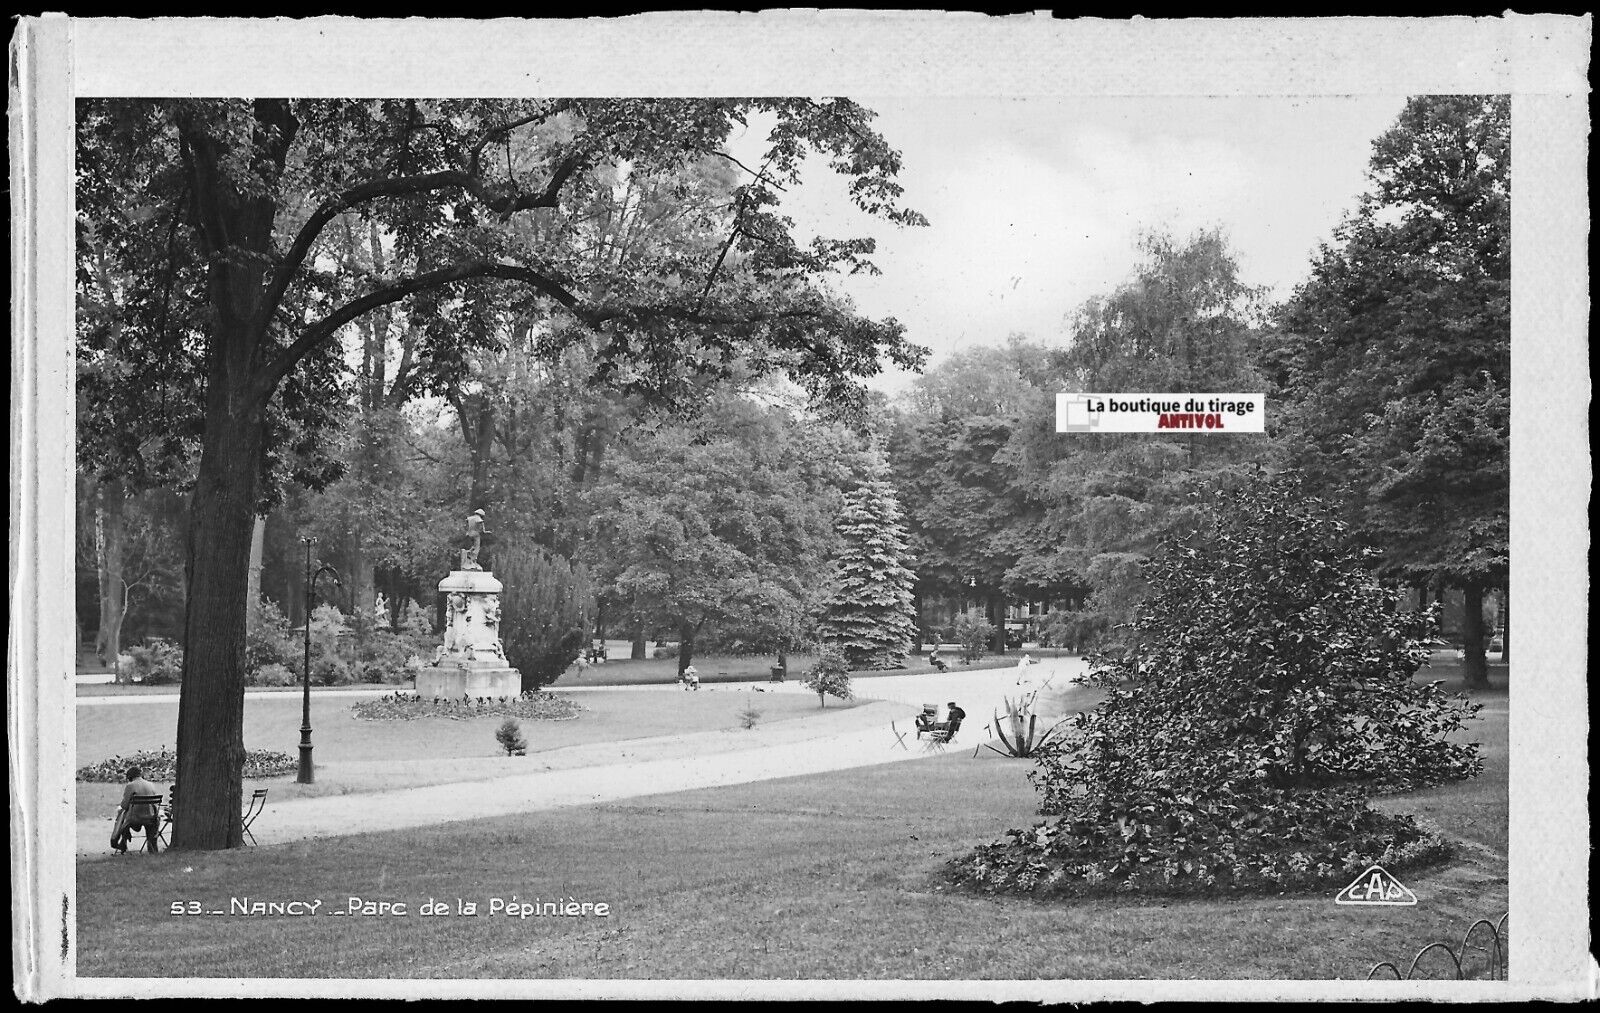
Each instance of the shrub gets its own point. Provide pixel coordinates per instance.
(973, 631)
(158, 664)
(382, 656)
(1271, 693)
(509, 735)
(271, 675)
(268, 639)
(544, 612)
(749, 716)
(829, 676)
(667, 651)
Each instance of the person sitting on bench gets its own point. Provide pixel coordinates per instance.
(130, 817)
(936, 661)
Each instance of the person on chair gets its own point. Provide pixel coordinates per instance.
(953, 717)
(130, 817)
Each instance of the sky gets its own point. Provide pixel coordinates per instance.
(1035, 205)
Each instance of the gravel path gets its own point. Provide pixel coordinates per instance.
(607, 772)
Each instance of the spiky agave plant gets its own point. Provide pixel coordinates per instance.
(1025, 739)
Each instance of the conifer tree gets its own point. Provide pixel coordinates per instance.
(868, 612)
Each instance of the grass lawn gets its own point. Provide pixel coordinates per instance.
(824, 876)
(357, 756)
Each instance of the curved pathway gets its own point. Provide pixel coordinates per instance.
(604, 772)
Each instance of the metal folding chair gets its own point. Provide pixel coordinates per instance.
(899, 737)
(150, 837)
(258, 802)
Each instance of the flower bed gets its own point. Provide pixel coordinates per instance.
(162, 765)
(537, 705)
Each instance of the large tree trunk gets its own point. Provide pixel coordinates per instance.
(1474, 665)
(108, 544)
(211, 707)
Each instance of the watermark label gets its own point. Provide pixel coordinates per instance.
(1376, 886)
(366, 907)
(1161, 413)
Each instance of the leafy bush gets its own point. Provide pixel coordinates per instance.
(829, 676)
(509, 735)
(381, 657)
(1271, 693)
(1074, 630)
(667, 651)
(972, 630)
(271, 675)
(268, 640)
(158, 664)
(537, 705)
(545, 611)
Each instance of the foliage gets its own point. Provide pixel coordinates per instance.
(868, 612)
(382, 656)
(973, 631)
(976, 508)
(1161, 842)
(830, 676)
(1022, 721)
(536, 705)
(158, 664)
(509, 735)
(272, 675)
(1395, 360)
(268, 639)
(161, 765)
(665, 651)
(1272, 690)
(545, 613)
(749, 717)
(1073, 628)
(723, 519)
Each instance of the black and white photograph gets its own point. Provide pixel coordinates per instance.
(989, 524)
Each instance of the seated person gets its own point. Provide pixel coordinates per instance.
(130, 816)
(936, 661)
(953, 717)
(691, 678)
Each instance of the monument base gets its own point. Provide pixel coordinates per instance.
(456, 682)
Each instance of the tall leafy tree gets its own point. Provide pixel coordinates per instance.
(221, 211)
(1395, 364)
(868, 612)
(721, 519)
(975, 509)
(1184, 321)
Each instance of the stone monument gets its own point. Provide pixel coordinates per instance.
(471, 662)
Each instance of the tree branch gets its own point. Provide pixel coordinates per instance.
(268, 379)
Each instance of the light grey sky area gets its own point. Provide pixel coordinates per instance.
(1036, 204)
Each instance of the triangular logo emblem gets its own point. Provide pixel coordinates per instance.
(1375, 886)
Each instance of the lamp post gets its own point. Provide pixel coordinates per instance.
(306, 775)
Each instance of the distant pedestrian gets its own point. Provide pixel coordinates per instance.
(691, 678)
